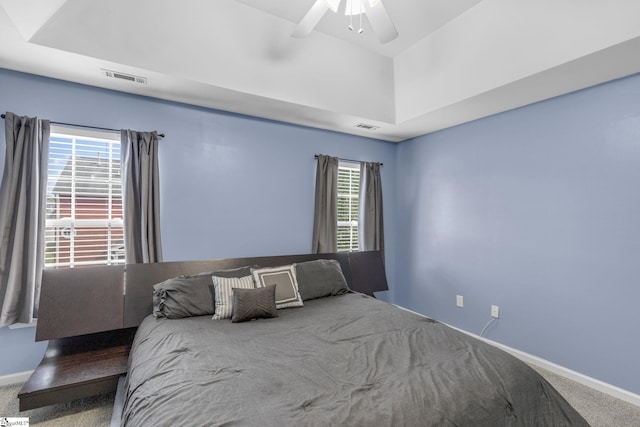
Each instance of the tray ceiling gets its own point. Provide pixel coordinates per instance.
(454, 61)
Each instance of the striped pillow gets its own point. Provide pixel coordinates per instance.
(224, 294)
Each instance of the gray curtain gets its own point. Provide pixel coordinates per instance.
(325, 220)
(371, 222)
(22, 217)
(141, 198)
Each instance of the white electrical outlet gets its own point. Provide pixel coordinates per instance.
(459, 300)
(495, 311)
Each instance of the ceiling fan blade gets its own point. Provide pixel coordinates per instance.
(380, 22)
(311, 19)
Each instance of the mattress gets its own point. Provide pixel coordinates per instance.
(347, 360)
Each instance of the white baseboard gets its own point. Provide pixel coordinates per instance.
(586, 380)
(17, 378)
(593, 383)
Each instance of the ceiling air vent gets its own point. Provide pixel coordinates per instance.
(366, 126)
(124, 76)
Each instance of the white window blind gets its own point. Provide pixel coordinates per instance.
(84, 200)
(348, 206)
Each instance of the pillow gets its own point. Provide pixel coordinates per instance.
(258, 303)
(320, 278)
(284, 278)
(205, 278)
(224, 295)
(182, 297)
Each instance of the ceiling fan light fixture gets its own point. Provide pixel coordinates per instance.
(374, 10)
(354, 7)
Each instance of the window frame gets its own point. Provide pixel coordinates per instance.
(112, 140)
(354, 210)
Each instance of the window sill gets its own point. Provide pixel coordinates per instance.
(33, 323)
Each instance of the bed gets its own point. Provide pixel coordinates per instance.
(341, 359)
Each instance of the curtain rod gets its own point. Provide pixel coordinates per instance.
(161, 135)
(347, 160)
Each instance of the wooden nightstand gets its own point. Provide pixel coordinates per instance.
(78, 367)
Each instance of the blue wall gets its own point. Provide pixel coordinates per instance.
(536, 210)
(230, 185)
(20, 352)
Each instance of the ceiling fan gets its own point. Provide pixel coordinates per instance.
(373, 9)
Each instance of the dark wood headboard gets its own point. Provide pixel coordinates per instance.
(88, 300)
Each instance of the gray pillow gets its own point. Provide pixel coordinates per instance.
(257, 303)
(320, 278)
(232, 273)
(182, 297)
(185, 296)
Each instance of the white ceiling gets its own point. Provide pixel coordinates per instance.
(454, 60)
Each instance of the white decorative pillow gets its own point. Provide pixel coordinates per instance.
(287, 294)
(223, 287)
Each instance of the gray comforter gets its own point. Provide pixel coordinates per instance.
(347, 360)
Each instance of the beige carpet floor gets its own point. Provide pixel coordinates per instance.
(94, 411)
(600, 410)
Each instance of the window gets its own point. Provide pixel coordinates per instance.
(348, 204)
(84, 199)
